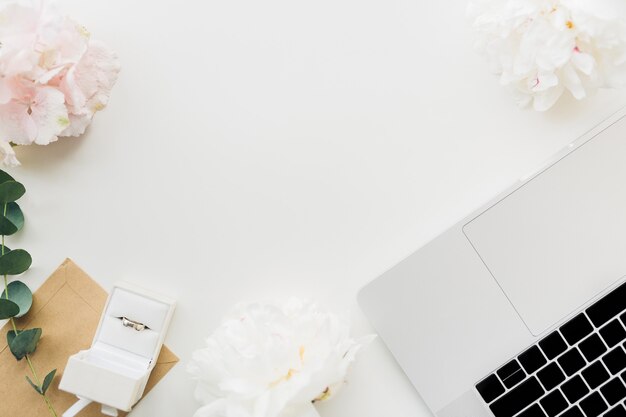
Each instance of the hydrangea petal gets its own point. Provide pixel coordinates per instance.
(8, 155)
(49, 114)
(6, 94)
(88, 85)
(78, 124)
(16, 125)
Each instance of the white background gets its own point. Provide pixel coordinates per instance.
(263, 149)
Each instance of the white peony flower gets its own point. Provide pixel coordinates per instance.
(541, 48)
(271, 361)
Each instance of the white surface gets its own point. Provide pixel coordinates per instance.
(267, 149)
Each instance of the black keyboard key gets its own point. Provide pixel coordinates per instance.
(511, 374)
(509, 369)
(553, 345)
(554, 403)
(517, 399)
(575, 389)
(490, 388)
(571, 362)
(593, 405)
(574, 330)
(615, 360)
(595, 375)
(573, 412)
(618, 411)
(532, 411)
(514, 379)
(613, 333)
(592, 347)
(613, 391)
(532, 359)
(551, 376)
(608, 307)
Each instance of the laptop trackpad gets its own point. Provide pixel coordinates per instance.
(561, 238)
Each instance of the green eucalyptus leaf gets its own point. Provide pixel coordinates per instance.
(15, 214)
(11, 191)
(6, 250)
(47, 381)
(10, 337)
(4, 177)
(35, 387)
(8, 309)
(15, 262)
(12, 220)
(24, 343)
(21, 295)
(7, 228)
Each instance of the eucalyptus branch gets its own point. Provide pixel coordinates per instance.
(17, 299)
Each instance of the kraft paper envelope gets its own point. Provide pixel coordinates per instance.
(67, 307)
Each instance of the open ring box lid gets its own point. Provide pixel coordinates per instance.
(115, 369)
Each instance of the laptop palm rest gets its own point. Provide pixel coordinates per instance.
(561, 238)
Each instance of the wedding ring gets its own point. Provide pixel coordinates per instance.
(134, 324)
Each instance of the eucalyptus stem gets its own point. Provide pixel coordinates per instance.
(12, 320)
(38, 381)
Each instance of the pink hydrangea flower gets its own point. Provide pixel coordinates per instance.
(53, 76)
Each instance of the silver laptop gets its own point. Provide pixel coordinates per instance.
(520, 309)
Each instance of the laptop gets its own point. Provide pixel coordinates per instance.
(519, 310)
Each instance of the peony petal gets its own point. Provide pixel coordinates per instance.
(603, 9)
(545, 99)
(543, 81)
(584, 62)
(222, 408)
(573, 83)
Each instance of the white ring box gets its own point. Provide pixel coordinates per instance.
(114, 371)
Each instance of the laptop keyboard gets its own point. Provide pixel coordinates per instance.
(578, 370)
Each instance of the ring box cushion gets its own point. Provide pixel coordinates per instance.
(115, 370)
(135, 307)
(115, 334)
